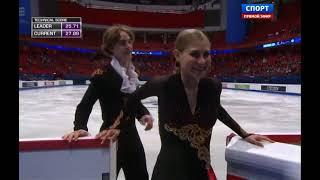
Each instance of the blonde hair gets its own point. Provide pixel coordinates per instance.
(112, 35)
(187, 37)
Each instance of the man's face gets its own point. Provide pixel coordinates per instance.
(123, 48)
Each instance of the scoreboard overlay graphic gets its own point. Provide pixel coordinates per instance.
(56, 27)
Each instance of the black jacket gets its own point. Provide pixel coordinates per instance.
(105, 85)
(185, 136)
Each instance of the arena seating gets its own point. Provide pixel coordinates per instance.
(43, 63)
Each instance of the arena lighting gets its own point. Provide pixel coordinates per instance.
(295, 40)
(83, 50)
(281, 43)
(154, 53)
(61, 48)
(225, 51)
(289, 41)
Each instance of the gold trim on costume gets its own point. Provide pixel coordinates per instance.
(97, 72)
(117, 122)
(197, 138)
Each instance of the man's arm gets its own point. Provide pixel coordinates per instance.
(82, 114)
(144, 116)
(141, 111)
(85, 106)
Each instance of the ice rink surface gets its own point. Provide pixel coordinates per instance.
(49, 112)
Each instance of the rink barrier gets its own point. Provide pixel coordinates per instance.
(23, 85)
(279, 160)
(290, 89)
(54, 158)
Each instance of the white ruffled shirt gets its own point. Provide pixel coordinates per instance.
(129, 83)
(130, 80)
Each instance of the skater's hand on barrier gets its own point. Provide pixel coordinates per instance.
(74, 136)
(255, 138)
(111, 134)
(147, 120)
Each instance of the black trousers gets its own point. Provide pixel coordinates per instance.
(131, 156)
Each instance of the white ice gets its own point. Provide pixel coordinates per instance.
(50, 113)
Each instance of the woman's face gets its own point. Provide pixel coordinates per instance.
(195, 60)
(123, 48)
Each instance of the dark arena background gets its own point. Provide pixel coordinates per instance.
(258, 61)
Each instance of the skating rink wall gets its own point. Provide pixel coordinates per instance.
(57, 159)
(87, 159)
(277, 161)
(242, 158)
(49, 84)
(44, 84)
(292, 89)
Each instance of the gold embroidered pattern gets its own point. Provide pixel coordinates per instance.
(117, 122)
(97, 72)
(197, 138)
